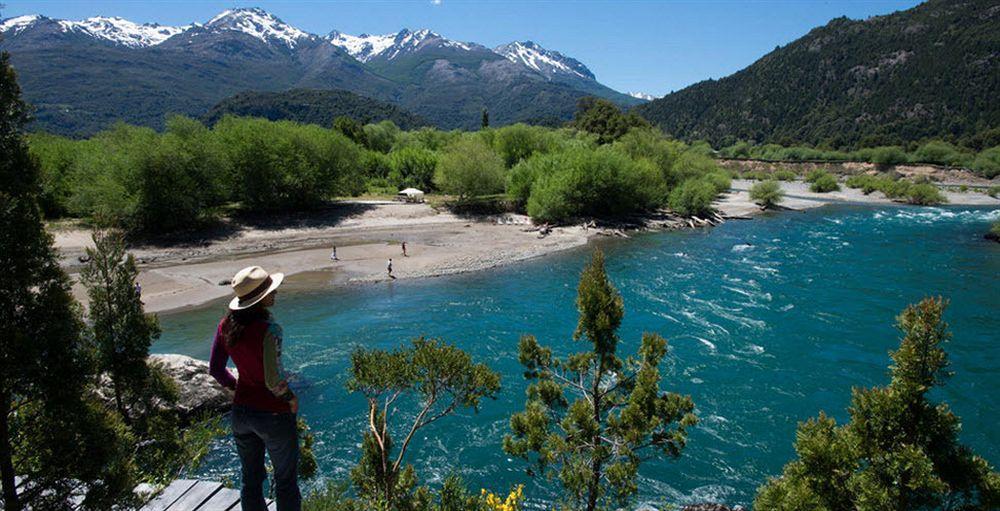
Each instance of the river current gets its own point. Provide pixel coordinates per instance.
(768, 321)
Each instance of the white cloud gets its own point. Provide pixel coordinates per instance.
(435, 2)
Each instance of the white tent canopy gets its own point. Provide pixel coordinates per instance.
(411, 195)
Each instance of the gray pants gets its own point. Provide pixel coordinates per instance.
(256, 431)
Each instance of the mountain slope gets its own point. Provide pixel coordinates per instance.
(312, 107)
(930, 71)
(84, 75)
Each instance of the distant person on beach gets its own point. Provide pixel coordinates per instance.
(388, 268)
(264, 408)
(333, 255)
(404, 249)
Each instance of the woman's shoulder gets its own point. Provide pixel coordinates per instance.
(274, 328)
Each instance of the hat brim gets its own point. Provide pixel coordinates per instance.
(236, 305)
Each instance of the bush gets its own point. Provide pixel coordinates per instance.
(720, 181)
(693, 198)
(824, 183)
(412, 167)
(767, 194)
(941, 153)
(382, 136)
(785, 175)
(520, 141)
(470, 168)
(887, 156)
(589, 182)
(987, 163)
(56, 156)
(993, 191)
(924, 194)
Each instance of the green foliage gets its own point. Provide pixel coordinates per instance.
(767, 194)
(591, 182)
(824, 183)
(351, 129)
(693, 198)
(283, 165)
(438, 376)
(925, 194)
(898, 189)
(887, 156)
(412, 167)
(785, 175)
(470, 168)
(987, 163)
(519, 141)
(382, 136)
(993, 191)
(51, 428)
(592, 417)
(605, 119)
(56, 156)
(899, 450)
(310, 106)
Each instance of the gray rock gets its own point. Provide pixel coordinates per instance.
(198, 391)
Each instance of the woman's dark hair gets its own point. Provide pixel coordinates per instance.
(238, 320)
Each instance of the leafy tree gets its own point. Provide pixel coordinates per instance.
(766, 194)
(987, 163)
(596, 442)
(520, 141)
(470, 168)
(693, 198)
(381, 136)
(605, 119)
(412, 166)
(900, 450)
(441, 378)
(351, 129)
(51, 431)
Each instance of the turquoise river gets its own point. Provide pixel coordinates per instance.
(769, 321)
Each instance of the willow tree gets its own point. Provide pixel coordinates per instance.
(900, 450)
(440, 379)
(592, 418)
(51, 432)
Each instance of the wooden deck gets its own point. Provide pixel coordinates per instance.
(194, 495)
(182, 495)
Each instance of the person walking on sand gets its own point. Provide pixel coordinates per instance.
(264, 408)
(404, 249)
(388, 269)
(333, 255)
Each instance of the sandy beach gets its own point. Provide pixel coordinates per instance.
(368, 233)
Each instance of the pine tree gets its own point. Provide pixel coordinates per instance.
(443, 378)
(50, 432)
(619, 418)
(900, 450)
(486, 119)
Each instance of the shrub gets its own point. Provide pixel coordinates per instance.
(924, 194)
(720, 181)
(987, 163)
(56, 156)
(824, 183)
(693, 198)
(785, 175)
(813, 175)
(520, 141)
(382, 136)
(887, 156)
(993, 191)
(412, 166)
(767, 194)
(939, 152)
(588, 182)
(374, 164)
(470, 168)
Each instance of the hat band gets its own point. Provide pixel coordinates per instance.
(257, 291)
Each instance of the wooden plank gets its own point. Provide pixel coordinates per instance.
(169, 495)
(196, 496)
(223, 500)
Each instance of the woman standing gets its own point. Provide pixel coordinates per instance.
(264, 407)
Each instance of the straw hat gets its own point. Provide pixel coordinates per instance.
(251, 285)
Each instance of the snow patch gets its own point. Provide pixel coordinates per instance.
(125, 32)
(19, 23)
(641, 95)
(544, 61)
(366, 47)
(260, 24)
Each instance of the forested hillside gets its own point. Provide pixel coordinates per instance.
(930, 71)
(309, 106)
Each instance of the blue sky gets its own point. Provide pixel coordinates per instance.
(631, 45)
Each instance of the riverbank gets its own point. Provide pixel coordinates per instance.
(367, 233)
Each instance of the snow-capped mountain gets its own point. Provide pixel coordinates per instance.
(114, 29)
(389, 46)
(641, 95)
(259, 24)
(547, 62)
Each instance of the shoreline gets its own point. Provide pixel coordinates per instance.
(367, 233)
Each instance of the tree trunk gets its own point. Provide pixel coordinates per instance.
(595, 464)
(10, 499)
(119, 403)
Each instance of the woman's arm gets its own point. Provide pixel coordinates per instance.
(217, 363)
(274, 373)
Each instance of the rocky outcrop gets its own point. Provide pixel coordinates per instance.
(197, 391)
